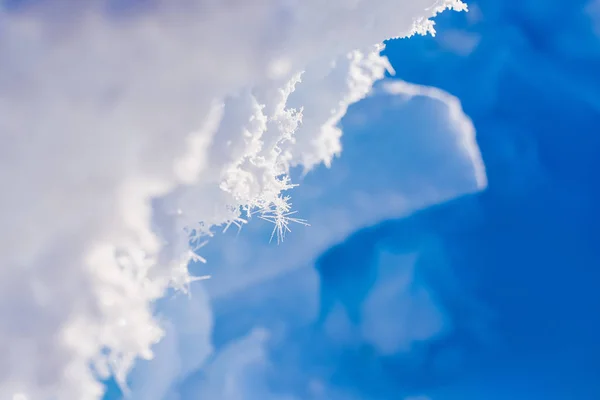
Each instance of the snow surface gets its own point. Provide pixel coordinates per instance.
(109, 108)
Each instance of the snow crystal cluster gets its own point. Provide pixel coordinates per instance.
(128, 127)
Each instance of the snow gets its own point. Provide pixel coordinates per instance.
(123, 125)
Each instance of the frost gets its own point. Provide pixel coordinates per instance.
(280, 215)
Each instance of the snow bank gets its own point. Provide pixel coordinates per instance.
(106, 106)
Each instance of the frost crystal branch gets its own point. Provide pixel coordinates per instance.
(280, 215)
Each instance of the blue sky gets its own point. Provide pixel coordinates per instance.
(491, 295)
